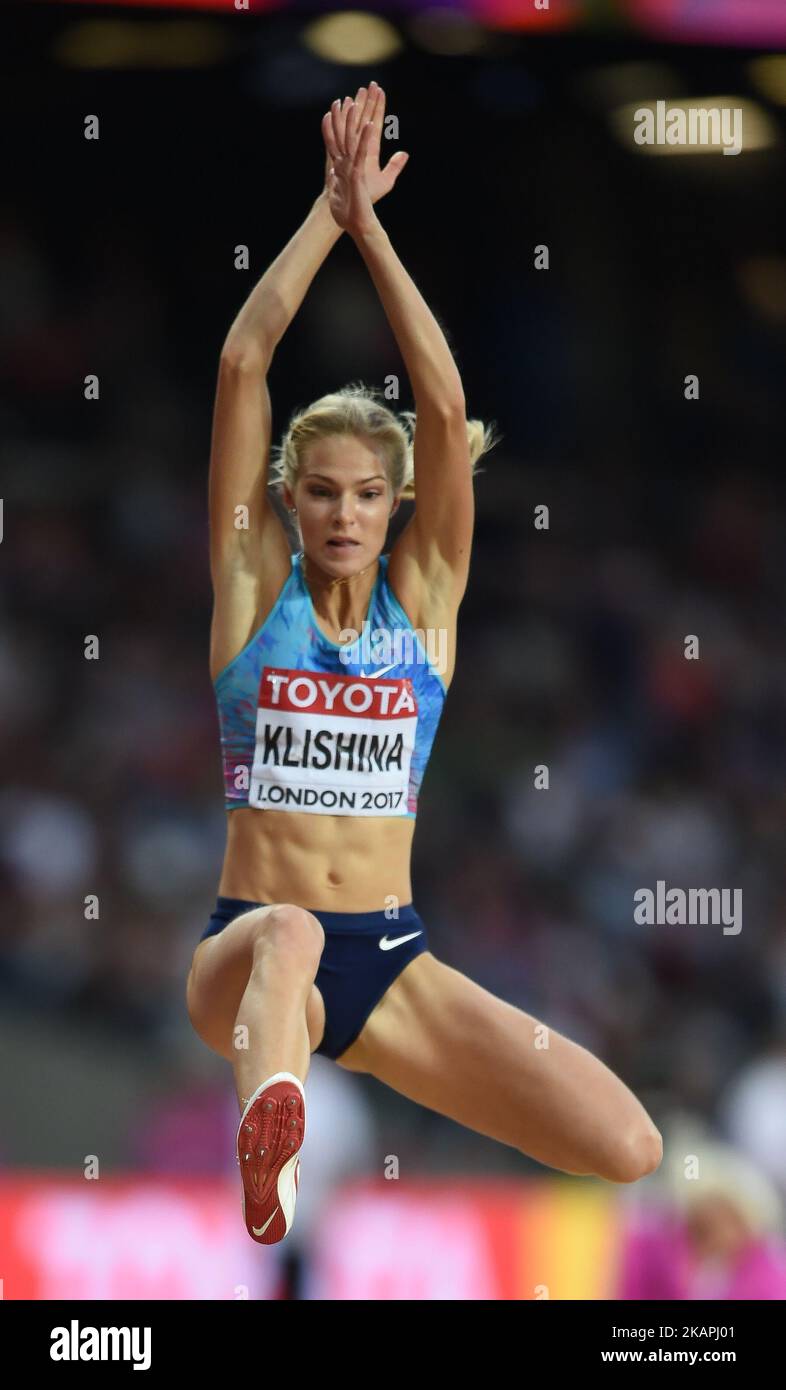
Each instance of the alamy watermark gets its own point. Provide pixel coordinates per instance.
(691, 907)
(659, 124)
(384, 648)
(77, 1343)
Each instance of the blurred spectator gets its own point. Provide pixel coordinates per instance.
(714, 1234)
(753, 1111)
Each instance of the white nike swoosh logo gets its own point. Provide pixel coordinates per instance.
(260, 1230)
(386, 945)
(372, 675)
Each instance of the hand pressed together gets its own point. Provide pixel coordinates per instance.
(354, 179)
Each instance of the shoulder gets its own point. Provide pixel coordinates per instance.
(426, 594)
(429, 613)
(244, 598)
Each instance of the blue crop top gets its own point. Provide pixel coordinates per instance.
(310, 725)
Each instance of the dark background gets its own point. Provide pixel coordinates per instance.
(667, 518)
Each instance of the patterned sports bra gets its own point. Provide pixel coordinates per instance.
(310, 725)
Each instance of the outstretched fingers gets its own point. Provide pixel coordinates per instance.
(364, 101)
(343, 122)
(377, 116)
(329, 137)
(362, 150)
(352, 129)
(338, 121)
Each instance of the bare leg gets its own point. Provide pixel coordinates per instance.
(271, 1032)
(250, 993)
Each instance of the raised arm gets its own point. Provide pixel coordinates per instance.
(250, 562)
(439, 536)
(242, 414)
(249, 553)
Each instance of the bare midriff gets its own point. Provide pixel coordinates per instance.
(330, 863)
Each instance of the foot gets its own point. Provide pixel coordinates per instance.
(272, 1128)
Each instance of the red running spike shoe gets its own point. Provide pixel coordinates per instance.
(271, 1130)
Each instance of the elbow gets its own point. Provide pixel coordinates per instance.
(246, 356)
(448, 408)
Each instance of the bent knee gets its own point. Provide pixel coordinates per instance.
(292, 933)
(640, 1154)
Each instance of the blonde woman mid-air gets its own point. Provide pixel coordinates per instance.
(315, 944)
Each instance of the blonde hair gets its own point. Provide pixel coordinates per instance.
(721, 1171)
(360, 410)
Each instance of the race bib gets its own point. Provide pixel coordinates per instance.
(332, 744)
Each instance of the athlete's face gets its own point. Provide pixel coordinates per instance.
(344, 503)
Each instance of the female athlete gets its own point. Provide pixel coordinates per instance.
(326, 728)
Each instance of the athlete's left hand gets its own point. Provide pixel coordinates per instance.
(354, 180)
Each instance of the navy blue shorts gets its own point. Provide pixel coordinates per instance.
(363, 954)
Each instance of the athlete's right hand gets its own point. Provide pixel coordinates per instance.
(369, 105)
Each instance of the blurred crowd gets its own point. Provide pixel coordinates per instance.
(571, 655)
